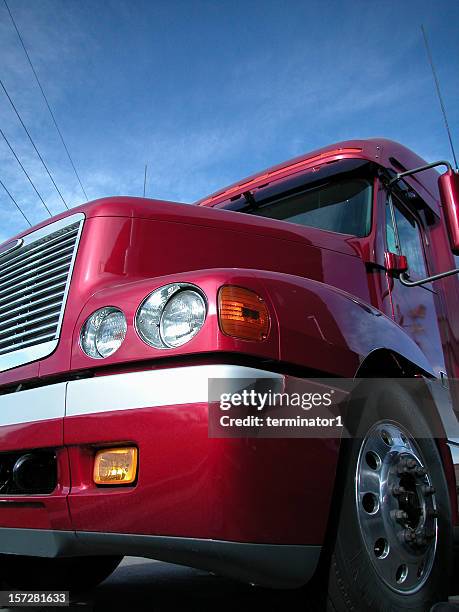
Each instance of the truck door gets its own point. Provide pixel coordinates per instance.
(415, 309)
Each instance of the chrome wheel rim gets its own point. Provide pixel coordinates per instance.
(396, 507)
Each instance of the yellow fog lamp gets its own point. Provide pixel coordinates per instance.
(114, 466)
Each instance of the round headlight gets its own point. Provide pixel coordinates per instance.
(182, 318)
(171, 315)
(103, 333)
(149, 314)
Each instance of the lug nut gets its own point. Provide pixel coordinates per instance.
(419, 471)
(408, 535)
(399, 515)
(405, 465)
(428, 490)
(397, 491)
(420, 537)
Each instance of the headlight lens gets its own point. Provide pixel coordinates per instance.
(171, 315)
(103, 333)
(182, 318)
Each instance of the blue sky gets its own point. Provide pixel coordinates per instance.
(207, 92)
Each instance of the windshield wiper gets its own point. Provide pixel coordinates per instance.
(250, 200)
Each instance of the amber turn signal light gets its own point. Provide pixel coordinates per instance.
(242, 313)
(115, 466)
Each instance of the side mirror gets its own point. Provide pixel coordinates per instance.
(448, 184)
(396, 264)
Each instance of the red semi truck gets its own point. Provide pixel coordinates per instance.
(115, 315)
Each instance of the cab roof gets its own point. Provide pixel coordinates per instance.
(387, 153)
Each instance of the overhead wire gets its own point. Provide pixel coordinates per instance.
(32, 142)
(24, 170)
(15, 203)
(45, 99)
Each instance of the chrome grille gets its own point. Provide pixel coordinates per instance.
(34, 282)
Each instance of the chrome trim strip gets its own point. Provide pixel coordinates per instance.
(33, 405)
(9, 247)
(52, 227)
(147, 389)
(73, 218)
(42, 349)
(453, 444)
(26, 355)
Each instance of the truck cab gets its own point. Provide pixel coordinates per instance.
(115, 315)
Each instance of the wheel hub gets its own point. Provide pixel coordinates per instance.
(396, 507)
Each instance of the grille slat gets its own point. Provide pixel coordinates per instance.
(33, 285)
(35, 272)
(20, 300)
(31, 321)
(42, 262)
(27, 291)
(14, 338)
(10, 315)
(34, 253)
(32, 342)
(40, 276)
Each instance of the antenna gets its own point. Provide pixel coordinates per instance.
(145, 180)
(437, 86)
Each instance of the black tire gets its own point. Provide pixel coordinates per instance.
(350, 580)
(66, 573)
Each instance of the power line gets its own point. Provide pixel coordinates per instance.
(24, 170)
(46, 100)
(32, 142)
(437, 85)
(15, 203)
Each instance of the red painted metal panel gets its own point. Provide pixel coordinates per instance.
(35, 434)
(263, 490)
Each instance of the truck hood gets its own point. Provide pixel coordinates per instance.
(129, 207)
(125, 239)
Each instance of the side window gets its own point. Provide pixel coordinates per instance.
(410, 237)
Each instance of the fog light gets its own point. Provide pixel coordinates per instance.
(115, 466)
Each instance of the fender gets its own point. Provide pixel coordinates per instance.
(329, 330)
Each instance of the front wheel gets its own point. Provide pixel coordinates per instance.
(391, 546)
(68, 574)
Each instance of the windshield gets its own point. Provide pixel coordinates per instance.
(342, 206)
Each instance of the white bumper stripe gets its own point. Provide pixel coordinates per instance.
(171, 386)
(33, 405)
(174, 386)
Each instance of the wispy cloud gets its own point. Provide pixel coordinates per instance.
(205, 96)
